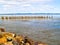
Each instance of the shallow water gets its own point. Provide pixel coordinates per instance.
(41, 30)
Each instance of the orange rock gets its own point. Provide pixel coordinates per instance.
(3, 40)
(19, 39)
(9, 43)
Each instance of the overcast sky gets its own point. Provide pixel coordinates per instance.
(29, 6)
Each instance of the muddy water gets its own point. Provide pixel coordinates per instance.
(41, 30)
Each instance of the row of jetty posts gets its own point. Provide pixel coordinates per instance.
(25, 17)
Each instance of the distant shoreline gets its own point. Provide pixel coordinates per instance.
(30, 14)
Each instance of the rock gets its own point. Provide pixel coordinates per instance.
(2, 29)
(40, 43)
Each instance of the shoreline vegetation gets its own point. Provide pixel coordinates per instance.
(25, 17)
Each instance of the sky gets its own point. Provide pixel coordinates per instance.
(29, 6)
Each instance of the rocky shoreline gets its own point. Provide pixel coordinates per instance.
(16, 39)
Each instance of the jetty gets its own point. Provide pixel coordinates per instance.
(25, 17)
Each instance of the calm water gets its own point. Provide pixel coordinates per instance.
(41, 30)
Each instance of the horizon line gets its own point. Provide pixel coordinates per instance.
(30, 14)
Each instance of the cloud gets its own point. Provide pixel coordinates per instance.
(21, 1)
(26, 6)
(7, 2)
(41, 0)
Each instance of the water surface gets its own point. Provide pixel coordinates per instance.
(40, 30)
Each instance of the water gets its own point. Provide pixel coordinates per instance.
(47, 31)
